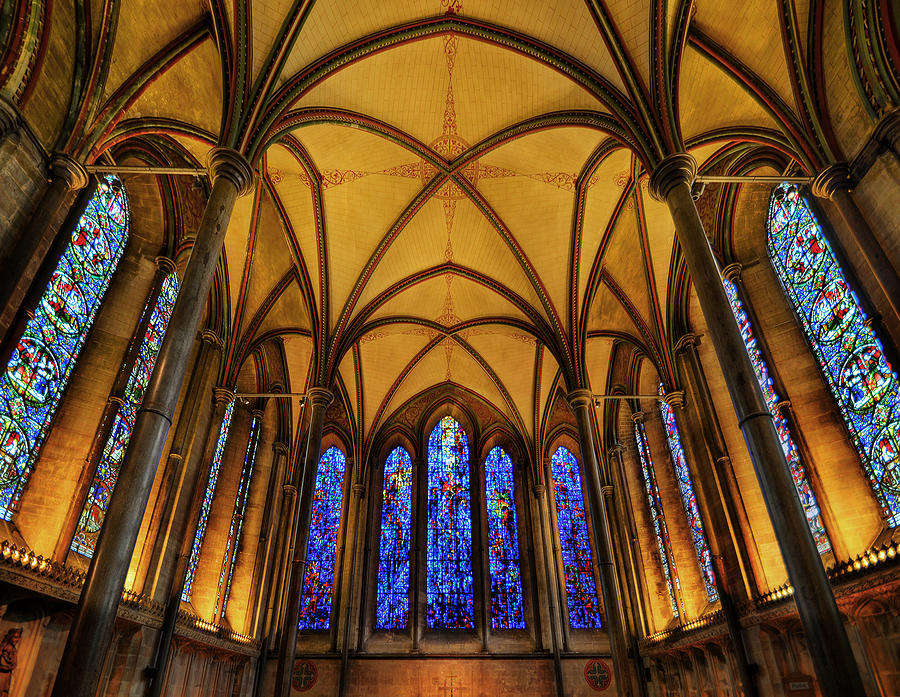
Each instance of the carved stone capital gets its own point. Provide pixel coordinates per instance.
(887, 130)
(674, 399)
(70, 171)
(319, 396)
(614, 450)
(359, 490)
(289, 489)
(165, 264)
(832, 179)
(687, 342)
(229, 163)
(210, 337)
(637, 417)
(539, 489)
(9, 117)
(279, 448)
(580, 398)
(223, 395)
(257, 413)
(607, 491)
(732, 272)
(679, 168)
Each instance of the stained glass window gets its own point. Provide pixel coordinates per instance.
(666, 559)
(581, 588)
(232, 546)
(40, 365)
(114, 451)
(449, 548)
(318, 581)
(688, 499)
(503, 542)
(392, 604)
(206, 506)
(801, 481)
(849, 352)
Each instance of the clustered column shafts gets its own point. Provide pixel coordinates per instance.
(582, 402)
(553, 612)
(834, 183)
(164, 266)
(318, 399)
(832, 657)
(82, 660)
(359, 493)
(185, 520)
(185, 463)
(27, 257)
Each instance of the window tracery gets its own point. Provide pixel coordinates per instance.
(503, 542)
(40, 366)
(850, 354)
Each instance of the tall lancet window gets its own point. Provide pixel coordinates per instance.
(850, 354)
(449, 584)
(392, 603)
(107, 473)
(206, 505)
(801, 480)
(321, 549)
(575, 548)
(666, 558)
(41, 363)
(688, 498)
(232, 545)
(503, 542)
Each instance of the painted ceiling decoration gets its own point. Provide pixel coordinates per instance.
(452, 198)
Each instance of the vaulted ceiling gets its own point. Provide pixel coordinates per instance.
(450, 191)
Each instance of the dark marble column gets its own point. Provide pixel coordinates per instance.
(318, 399)
(66, 176)
(827, 640)
(834, 183)
(80, 668)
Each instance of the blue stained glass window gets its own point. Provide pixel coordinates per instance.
(206, 506)
(503, 542)
(688, 499)
(666, 559)
(801, 481)
(850, 354)
(392, 604)
(40, 365)
(449, 547)
(318, 581)
(581, 588)
(114, 451)
(232, 546)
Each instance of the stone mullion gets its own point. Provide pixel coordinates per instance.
(419, 552)
(551, 581)
(340, 553)
(347, 610)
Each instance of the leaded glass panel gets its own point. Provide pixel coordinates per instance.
(850, 354)
(449, 584)
(575, 548)
(318, 580)
(503, 542)
(392, 603)
(41, 363)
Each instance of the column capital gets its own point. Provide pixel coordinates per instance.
(72, 172)
(580, 398)
(229, 163)
(279, 448)
(732, 272)
(687, 342)
(834, 178)
(637, 417)
(9, 117)
(257, 413)
(539, 489)
(678, 168)
(359, 490)
(289, 489)
(614, 450)
(607, 491)
(887, 130)
(319, 396)
(674, 398)
(165, 264)
(208, 336)
(223, 395)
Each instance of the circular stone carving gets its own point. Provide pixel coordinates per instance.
(304, 676)
(597, 674)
